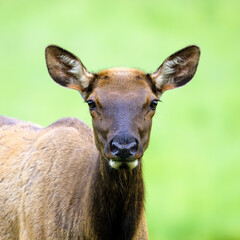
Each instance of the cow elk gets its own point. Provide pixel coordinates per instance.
(66, 181)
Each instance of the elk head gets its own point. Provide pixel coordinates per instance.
(122, 101)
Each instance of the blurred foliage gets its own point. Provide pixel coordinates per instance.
(192, 166)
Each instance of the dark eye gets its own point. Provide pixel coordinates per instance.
(153, 104)
(91, 104)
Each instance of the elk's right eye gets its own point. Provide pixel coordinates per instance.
(91, 104)
(153, 104)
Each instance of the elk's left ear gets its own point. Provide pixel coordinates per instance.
(67, 70)
(176, 70)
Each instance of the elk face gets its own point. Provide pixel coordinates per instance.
(122, 101)
(122, 105)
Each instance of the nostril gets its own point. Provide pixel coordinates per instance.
(114, 147)
(133, 147)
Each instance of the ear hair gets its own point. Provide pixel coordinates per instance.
(67, 70)
(177, 70)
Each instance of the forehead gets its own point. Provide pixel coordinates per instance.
(122, 82)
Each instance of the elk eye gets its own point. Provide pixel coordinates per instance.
(153, 104)
(91, 104)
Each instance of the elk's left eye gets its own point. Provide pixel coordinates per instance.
(91, 104)
(153, 104)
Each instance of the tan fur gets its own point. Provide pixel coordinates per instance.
(34, 171)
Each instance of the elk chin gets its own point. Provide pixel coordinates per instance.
(123, 164)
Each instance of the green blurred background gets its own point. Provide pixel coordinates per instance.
(192, 166)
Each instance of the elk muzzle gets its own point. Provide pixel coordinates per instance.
(123, 151)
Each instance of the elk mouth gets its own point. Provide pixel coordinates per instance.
(118, 164)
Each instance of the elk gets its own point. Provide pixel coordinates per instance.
(67, 181)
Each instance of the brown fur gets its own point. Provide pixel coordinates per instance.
(56, 182)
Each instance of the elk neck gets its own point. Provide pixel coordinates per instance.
(117, 201)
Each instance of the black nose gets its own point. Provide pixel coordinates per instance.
(124, 146)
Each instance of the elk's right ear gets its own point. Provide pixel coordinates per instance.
(176, 70)
(67, 70)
